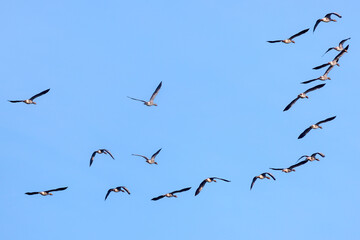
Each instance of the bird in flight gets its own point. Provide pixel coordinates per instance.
(335, 61)
(117, 189)
(315, 126)
(208, 180)
(291, 168)
(290, 39)
(152, 159)
(326, 19)
(48, 192)
(100, 151)
(172, 194)
(303, 95)
(338, 48)
(322, 78)
(31, 100)
(261, 176)
(151, 101)
(312, 157)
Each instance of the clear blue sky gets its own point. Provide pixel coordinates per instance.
(219, 114)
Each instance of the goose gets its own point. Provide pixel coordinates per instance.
(289, 40)
(338, 48)
(326, 19)
(322, 78)
(291, 168)
(31, 100)
(117, 189)
(262, 176)
(303, 95)
(208, 180)
(151, 101)
(315, 126)
(312, 157)
(335, 60)
(172, 194)
(100, 151)
(48, 192)
(152, 159)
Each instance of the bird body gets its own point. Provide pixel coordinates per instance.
(315, 126)
(340, 47)
(291, 168)
(326, 19)
(31, 100)
(261, 176)
(117, 189)
(290, 39)
(100, 151)
(171, 194)
(48, 192)
(151, 101)
(208, 180)
(303, 95)
(152, 159)
(312, 157)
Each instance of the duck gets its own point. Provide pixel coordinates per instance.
(47, 192)
(338, 48)
(171, 194)
(117, 189)
(208, 180)
(322, 78)
(100, 151)
(315, 126)
(262, 176)
(290, 39)
(152, 159)
(151, 101)
(312, 157)
(335, 61)
(326, 19)
(31, 100)
(291, 168)
(303, 95)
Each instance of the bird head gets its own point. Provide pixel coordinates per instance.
(329, 78)
(50, 193)
(155, 104)
(306, 96)
(293, 170)
(214, 180)
(320, 127)
(292, 41)
(156, 163)
(174, 196)
(334, 20)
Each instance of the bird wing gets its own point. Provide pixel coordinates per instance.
(156, 92)
(328, 70)
(270, 175)
(39, 94)
(342, 42)
(252, 183)
(299, 33)
(108, 192)
(302, 157)
(341, 53)
(328, 50)
(309, 81)
(182, 190)
(316, 24)
(304, 133)
(140, 156)
(126, 190)
(326, 120)
(15, 101)
(321, 154)
(298, 164)
(276, 169)
(201, 186)
(157, 198)
(275, 41)
(220, 179)
(92, 158)
(137, 99)
(32, 193)
(321, 66)
(155, 154)
(329, 15)
(107, 151)
(290, 104)
(57, 189)
(314, 88)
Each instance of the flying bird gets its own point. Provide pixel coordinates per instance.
(303, 95)
(315, 126)
(326, 19)
(291, 168)
(208, 180)
(48, 192)
(335, 61)
(322, 78)
(338, 48)
(312, 157)
(100, 151)
(172, 194)
(117, 189)
(261, 176)
(152, 159)
(290, 39)
(31, 100)
(151, 101)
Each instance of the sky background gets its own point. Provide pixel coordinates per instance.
(219, 114)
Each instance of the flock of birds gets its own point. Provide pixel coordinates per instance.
(264, 175)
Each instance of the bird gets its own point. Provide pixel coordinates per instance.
(151, 101)
(303, 95)
(48, 192)
(117, 189)
(31, 100)
(290, 39)
(261, 176)
(202, 184)
(335, 60)
(291, 168)
(172, 194)
(312, 157)
(100, 151)
(315, 126)
(338, 48)
(322, 78)
(152, 159)
(327, 18)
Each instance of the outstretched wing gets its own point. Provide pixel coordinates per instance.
(341, 53)
(156, 92)
(57, 189)
(39, 94)
(270, 175)
(342, 42)
(298, 164)
(326, 120)
(321, 154)
(329, 15)
(126, 190)
(275, 41)
(92, 158)
(140, 156)
(328, 50)
(15, 101)
(221, 179)
(321, 66)
(201, 186)
(157, 198)
(299, 33)
(155, 154)
(108, 152)
(302, 157)
(309, 81)
(316, 24)
(314, 88)
(328, 70)
(277, 169)
(252, 183)
(32, 193)
(108, 192)
(304, 133)
(290, 104)
(182, 190)
(137, 99)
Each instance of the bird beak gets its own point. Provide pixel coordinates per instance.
(267, 177)
(334, 20)
(214, 180)
(50, 193)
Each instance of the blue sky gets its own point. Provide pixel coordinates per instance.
(219, 114)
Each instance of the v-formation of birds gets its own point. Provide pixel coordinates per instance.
(265, 175)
